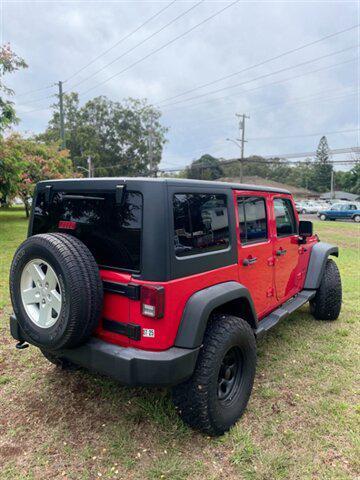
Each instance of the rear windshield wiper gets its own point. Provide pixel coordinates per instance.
(80, 197)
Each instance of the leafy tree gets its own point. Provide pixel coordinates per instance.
(349, 181)
(10, 169)
(9, 63)
(25, 162)
(205, 168)
(116, 135)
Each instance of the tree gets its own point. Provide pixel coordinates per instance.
(9, 63)
(321, 172)
(349, 181)
(10, 169)
(205, 168)
(116, 135)
(25, 162)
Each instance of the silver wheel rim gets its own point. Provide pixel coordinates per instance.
(41, 293)
(357, 219)
(322, 217)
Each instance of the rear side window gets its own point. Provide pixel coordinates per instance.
(201, 223)
(111, 231)
(252, 219)
(285, 218)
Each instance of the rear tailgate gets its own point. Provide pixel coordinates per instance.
(109, 222)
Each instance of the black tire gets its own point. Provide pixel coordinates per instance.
(80, 285)
(326, 304)
(202, 401)
(60, 362)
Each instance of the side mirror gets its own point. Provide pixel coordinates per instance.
(305, 228)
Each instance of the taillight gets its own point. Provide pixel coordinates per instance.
(152, 301)
(67, 225)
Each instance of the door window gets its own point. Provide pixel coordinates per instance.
(252, 219)
(285, 218)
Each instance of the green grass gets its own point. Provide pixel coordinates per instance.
(302, 421)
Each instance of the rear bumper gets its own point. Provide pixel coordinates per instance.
(129, 366)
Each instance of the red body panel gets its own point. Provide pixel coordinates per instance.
(271, 281)
(177, 292)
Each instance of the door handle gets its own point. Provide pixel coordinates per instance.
(249, 261)
(280, 252)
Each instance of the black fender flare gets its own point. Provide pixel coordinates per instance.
(200, 305)
(318, 257)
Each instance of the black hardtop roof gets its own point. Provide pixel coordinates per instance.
(111, 181)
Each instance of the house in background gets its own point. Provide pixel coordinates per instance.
(340, 195)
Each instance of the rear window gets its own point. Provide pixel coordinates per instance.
(201, 223)
(112, 232)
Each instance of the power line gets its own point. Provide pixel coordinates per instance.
(178, 37)
(253, 161)
(33, 111)
(264, 76)
(125, 37)
(261, 107)
(264, 62)
(236, 160)
(138, 44)
(336, 151)
(306, 135)
(38, 100)
(276, 82)
(34, 91)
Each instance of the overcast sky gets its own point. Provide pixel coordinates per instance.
(58, 38)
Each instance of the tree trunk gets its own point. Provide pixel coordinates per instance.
(27, 209)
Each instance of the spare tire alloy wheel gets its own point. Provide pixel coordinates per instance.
(41, 293)
(56, 291)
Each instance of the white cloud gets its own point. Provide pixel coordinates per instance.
(58, 38)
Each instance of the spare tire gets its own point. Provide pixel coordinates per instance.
(56, 291)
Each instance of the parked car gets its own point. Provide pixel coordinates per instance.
(339, 211)
(306, 207)
(167, 282)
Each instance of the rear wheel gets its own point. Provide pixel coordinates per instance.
(322, 217)
(215, 397)
(356, 218)
(326, 304)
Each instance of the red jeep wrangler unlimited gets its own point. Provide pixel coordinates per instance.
(167, 282)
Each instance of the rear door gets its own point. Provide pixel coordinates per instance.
(111, 229)
(256, 266)
(286, 249)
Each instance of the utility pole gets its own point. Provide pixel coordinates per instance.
(62, 127)
(151, 132)
(89, 162)
(242, 118)
(332, 192)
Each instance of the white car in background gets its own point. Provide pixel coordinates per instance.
(306, 207)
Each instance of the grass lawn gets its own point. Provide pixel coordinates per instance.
(302, 421)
